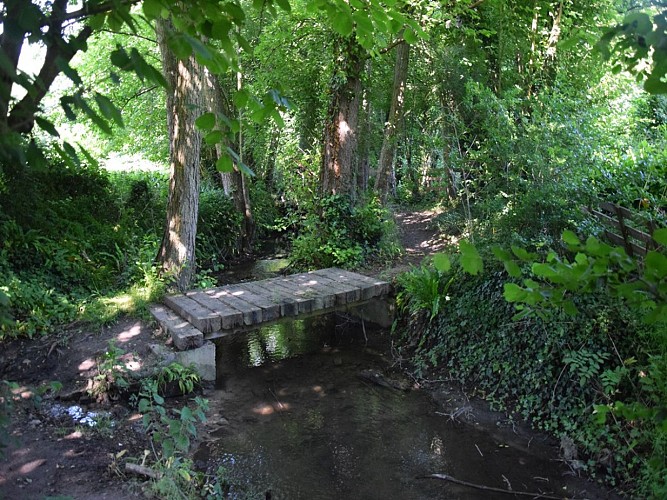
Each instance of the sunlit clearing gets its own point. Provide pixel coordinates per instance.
(132, 332)
(130, 163)
(31, 466)
(87, 364)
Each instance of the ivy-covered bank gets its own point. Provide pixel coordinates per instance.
(597, 378)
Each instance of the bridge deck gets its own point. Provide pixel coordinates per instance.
(194, 316)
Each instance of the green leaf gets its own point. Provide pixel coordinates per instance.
(657, 315)
(569, 308)
(89, 158)
(660, 236)
(410, 36)
(144, 405)
(109, 109)
(236, 12)
(241, 166)
(638, 22)
(152, 9)
(364, 24)
(470, 258)
(224, 164)
(120, 59)
(180, 46)
(656, 265)
(441, 262)
(46, 126)
(570, 238)
(68, 71)
(205, 121)
(213, 137)
(284, 4)
(512, 268)
(522, 254)
(341, 20)
(240, 98)
(655, 85)
(513, 292)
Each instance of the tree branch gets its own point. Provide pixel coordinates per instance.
(11, 42)
(131, 35)
(392, 45)
(446, 477)
(22, 117)
(87, 10)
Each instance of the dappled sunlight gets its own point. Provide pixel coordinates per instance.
(265, 409)
(23, 392)
(18, 468)
(135, 417)
(134, 331)
(123, 302)
(87, 364)
(31, 466)
(319, 390)
(74, 435)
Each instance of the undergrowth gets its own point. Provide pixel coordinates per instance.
(340, 234)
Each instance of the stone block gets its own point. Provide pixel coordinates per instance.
(202, 359)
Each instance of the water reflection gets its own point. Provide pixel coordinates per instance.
(295, 419)
(282, 340)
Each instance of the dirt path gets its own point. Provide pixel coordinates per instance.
(418, 234)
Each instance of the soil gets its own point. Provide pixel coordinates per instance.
(55, 455)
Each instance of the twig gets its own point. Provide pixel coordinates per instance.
(480, 451)
(507, 482)
(140, 470)
(451, 479)
(363, 328)
(282, 406)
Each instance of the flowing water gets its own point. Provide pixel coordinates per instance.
(293, 419)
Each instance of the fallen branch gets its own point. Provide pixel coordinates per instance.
(451, 479)
(140, 470)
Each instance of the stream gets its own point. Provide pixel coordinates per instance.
(293, 417)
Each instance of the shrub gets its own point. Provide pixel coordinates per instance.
(341, 234)
(217, 227)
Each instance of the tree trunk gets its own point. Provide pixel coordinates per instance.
(243, 198)
(340, 131)
(363, 164)
(385, 174)
(184, 104)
